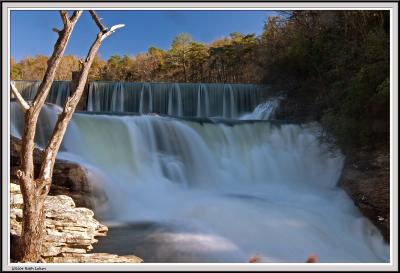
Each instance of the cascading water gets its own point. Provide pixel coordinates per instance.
(117, 100)
(146, 99)
(203, 102)
(264, 111)
(197, 191)
(59, 91)
(175, 99)
(178, 99)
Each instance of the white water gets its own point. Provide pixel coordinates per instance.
(264, 111)
(225, 192)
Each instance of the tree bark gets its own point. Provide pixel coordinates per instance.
(34, 190)
(33, 228)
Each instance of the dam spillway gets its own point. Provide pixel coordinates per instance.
(175, 99)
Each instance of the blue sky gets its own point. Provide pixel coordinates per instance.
(31, 30)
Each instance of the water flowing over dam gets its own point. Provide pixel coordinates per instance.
(175, 99)
(185, 186)
(58, 94)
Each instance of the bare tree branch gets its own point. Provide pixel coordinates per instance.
(50, 152)
(53, 62)
(98, 21)
(75, 16)
(64, 17)
(56, 30)
(25, 106)
(32, 115)
(112, 30)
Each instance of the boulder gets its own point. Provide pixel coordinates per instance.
(68, 178)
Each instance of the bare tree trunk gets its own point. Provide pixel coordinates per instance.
(33, 228)
(35, 190)
(31, 188)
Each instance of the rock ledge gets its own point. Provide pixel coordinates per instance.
(70, 231)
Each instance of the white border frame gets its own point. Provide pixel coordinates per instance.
(392, 6)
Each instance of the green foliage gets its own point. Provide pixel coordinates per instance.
(198, 55)
(335, 63)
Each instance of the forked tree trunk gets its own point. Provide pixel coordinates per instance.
(35, 189)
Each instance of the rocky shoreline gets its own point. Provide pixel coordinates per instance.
(366, 179)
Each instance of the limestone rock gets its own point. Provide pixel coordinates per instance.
(14, 188)
(70, 231)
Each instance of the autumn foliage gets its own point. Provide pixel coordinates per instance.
(229, 59)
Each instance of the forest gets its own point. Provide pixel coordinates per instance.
(333, 67)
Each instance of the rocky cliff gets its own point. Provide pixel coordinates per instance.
(366, 179)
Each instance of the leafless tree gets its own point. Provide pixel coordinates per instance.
(35, 189)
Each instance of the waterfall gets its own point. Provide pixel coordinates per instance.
(217, 191)
(90, 104)
(117, 100)
(228, 105)
(58, 94)
(203, 102)
(177, 99)
(146, 99)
